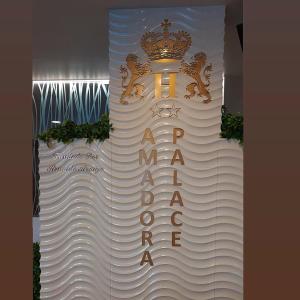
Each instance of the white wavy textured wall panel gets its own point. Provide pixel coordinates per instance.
(75, 223)
(208, 265)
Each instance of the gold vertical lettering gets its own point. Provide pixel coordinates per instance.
(146, 236)
(148, 136)
(142, 218)
(177, 133)
(143, 155)
(146, 258)
(180, 158)
(147, 178)
(175, 182)
(147, 200)
(175, 238)
(173, 221)
(176, 198)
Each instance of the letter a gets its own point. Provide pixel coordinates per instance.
(148, 136)
(146, 258)
(178, 200)
(180, 158)
(147, 178)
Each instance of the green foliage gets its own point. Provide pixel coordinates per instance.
(68, 131)
(232, 126)
(36, 271)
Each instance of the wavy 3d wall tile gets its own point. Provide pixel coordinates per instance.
(156, 211)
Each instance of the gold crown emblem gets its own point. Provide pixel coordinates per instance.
(166, 45)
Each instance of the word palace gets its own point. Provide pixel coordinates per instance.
(147, 197)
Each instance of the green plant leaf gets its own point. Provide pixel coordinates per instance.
(68, 131)
(232, 126)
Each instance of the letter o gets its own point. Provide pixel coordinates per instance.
(142, 216)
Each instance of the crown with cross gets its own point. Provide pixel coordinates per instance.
(166, 45)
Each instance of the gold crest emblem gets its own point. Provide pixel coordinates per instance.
(166, 47)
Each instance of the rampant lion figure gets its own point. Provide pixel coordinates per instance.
(137, 70)
(194, 70)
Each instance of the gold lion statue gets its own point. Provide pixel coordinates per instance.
(137, 70)
(194, 70)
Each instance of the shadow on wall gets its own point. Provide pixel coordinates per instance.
(36, 229)
(233, 93)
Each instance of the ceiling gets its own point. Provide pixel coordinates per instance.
(70, 37)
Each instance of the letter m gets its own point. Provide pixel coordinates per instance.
(152, 156)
